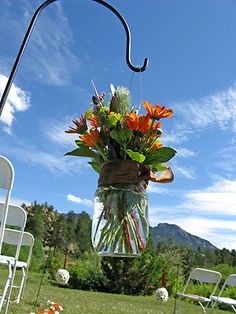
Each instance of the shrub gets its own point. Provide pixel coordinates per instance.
(87, 274)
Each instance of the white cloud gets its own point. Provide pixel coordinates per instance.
(78, 200)
(218, 198)
(18, 100)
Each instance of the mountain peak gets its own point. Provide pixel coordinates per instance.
(164, 233)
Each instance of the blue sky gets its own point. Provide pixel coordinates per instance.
(191, 46)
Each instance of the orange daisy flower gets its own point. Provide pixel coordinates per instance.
(157, 112)
(90, 138)
(81, 126)
(137, 123)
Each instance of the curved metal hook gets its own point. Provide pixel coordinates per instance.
(30, 29)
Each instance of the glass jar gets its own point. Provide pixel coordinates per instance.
(120, 220)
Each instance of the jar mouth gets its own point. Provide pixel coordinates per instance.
(124, 186)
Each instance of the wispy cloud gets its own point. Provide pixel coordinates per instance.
(188, 173)
(55, 163)
(16, 201)
(218, 109)
(78, 200)
(185, 153)
(18, 100)
(209, 213)
(49, 57)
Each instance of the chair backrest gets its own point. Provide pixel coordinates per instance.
(205, 275)
(231, 280)
(6, 183)
(16, 215)
(11, 237)
(6, 173)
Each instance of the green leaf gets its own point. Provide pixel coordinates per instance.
(95, 166)
(83, 151)
(135, 155)
(158, 167)
(159, 156)
(79, 143)
(121, 136)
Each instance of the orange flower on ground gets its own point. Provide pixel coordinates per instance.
(94, 121)
(81, 126)
(136, 123)
(157, 112)
(90, 138)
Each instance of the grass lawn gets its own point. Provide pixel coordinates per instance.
(85, 302)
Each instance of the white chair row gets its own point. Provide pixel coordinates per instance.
(13, 220)
(207, 276)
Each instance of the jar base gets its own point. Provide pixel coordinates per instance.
(104, 254)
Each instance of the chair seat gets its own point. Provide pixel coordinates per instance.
(5, 260)
(194, 297)
(224, 300)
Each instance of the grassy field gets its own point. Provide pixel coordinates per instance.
(84, 302)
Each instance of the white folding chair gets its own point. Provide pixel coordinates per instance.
(6, 183)
(200, 275)
(11, 237)
(230, 281)
(16, 217)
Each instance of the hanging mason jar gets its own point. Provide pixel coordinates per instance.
(120, 219)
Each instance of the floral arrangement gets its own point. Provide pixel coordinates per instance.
(53, 308)
(113, 133)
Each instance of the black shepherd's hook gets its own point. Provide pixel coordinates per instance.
(30, 29)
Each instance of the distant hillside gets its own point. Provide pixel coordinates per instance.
(165, 232)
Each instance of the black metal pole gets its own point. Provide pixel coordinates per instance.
(30, 29)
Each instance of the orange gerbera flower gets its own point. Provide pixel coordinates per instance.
(81, 126)
(157, 112)
(144, 124)
(94, 121)
(90, 138)
(137, 123)
(132, 121)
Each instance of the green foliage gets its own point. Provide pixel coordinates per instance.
(84, 226)
(87, 273)
(135, 155)
(160, 155)
(133, 276)
(82, 151)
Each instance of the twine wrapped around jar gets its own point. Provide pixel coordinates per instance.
(130, 172)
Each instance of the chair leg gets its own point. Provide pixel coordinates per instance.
(7, 284)
(21, 285)
(178, 307)
(10, 288)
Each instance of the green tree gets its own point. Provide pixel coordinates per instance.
(84, 226)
